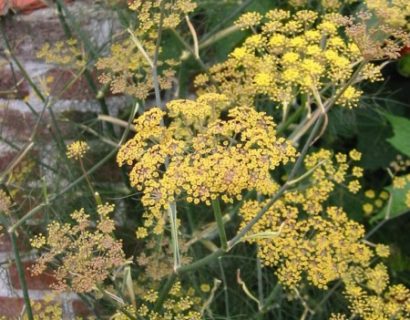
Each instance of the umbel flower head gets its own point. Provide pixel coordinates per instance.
(308, 238)
(304, 239)
(128, 69)
(180, 304)
(289, 54)
(77, 149)
(199, 157)
(85, 255)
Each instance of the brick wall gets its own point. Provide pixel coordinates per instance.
(28, 29)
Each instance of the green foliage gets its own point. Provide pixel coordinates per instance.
(396, 205)
(212, 225)
(401, 129)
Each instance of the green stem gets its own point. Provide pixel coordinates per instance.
(272, 296)
(17, 62)
(225, 288)
(78, 180)
(99, 94)
(90, 186)
(164, 291)
(155, 79)
(172, 212)
(236, 239)
(291, 119)
(220, 223)
(21, 276)
(201, 262)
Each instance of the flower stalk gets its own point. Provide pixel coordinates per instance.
(220, 223)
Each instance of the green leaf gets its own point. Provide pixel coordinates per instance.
(403, 66)
(372, 132)
(396, 206)
(401, 138)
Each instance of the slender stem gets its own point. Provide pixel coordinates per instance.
(108, 297)
(194, 36)
(201, 262)
(289, 120)
(282, 190)
(172, 212)
(62, 12)
(22, 278)
(78, 180)
(220, 223)
(236, 239)
(226, 295)
(268, 301)
(140, 47)
(155, 79)
(307, 123)
(87, 178)
(218, 36)
(260, 279)
(164, 291)
(232, 15)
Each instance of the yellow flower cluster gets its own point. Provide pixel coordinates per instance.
(292, 54)
(321, 247)
(394, 12)
(329, 5)
(156, 258)
(77, 149)
(5, 203)
(370, 296)
(374, 202)
(149, 12)
(200, 157)
(87, 252)
(303, 239)
(128, 69)
(400, 182)
(180, 304)
(322, 244)
(376, 41)
(63, 53)
(46, 309)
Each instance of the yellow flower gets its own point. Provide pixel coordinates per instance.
(5, 203)
(355, 155)
(354, 186)
(77, 149)
(263, 79)
(382, 250)
(205, 287)
(368, 208)
(38, 241)
(370, 194)
(205, 157)
(399, 182)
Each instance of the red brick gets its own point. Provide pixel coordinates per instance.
(80, 309)
(11, 307)
(6, 158)
(5, 243)
(41, 282)
(24, 6)
(28, 37)
(16, 124)
(12, 85)
(79, 90)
